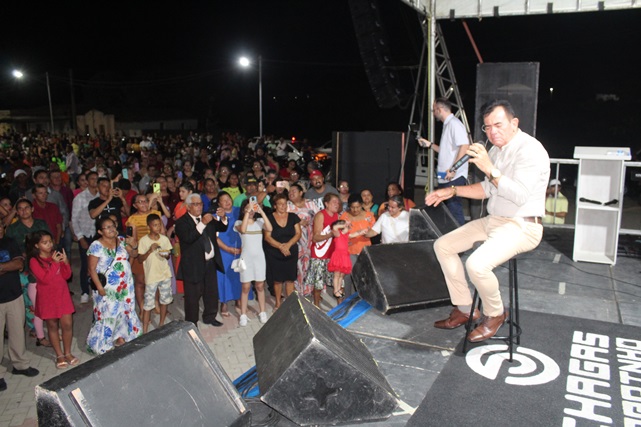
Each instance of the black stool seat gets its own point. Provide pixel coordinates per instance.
(514, 334)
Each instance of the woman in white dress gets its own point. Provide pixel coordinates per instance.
(251, 235)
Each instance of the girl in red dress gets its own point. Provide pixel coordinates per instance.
(340, 264)
(54, 305)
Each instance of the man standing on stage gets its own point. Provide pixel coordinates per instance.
(454, 144)
(517, 170)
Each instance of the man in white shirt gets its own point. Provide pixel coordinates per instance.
(517, 170)
(454, 144)
(84, 229)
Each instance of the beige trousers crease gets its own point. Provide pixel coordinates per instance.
(503, 238)
(12, 314)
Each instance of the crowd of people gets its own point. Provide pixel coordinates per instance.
(220, 220)
(225, 221)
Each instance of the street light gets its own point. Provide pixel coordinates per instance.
(245, 63)
(19, 75)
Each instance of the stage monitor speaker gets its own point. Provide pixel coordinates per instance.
(314, 372)
(399, 275)
(431, 222)
(517, 82)
(371, 160)
(168, 377)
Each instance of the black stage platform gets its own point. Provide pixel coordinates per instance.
(422, 363)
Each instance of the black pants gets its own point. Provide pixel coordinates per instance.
(207, 289)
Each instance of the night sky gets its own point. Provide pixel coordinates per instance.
(183, 56)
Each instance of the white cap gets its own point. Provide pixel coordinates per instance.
(19, 172)
(554, 182)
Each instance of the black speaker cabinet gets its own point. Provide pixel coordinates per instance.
(371, 160)
(517, 82)
(168, 377)
(431, 222)
(314, 372)
(399, 275)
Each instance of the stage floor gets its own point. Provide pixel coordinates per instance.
(412, 354)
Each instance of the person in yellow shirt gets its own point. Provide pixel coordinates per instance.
(556, 204)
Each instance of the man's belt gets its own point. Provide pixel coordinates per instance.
(534, 219)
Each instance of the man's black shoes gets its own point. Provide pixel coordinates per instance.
(29, 372)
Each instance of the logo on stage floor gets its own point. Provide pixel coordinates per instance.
(529, 367)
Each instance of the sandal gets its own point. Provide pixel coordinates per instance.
(71, 359)
(339, 294)
(61, 364)
(43, 342)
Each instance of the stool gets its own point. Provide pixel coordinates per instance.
(514, 335)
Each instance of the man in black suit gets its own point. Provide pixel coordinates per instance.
(200, 258)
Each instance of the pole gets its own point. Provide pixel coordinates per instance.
(50, 106)
(260, 94)
(431, 84)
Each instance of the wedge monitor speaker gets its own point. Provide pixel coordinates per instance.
(168, 377)
(314, 372)
(399, 275)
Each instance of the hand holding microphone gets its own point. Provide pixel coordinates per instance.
(423, 142)
(476, 152)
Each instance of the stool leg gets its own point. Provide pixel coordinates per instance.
(470, 320)
(515, 279)
(510, 342)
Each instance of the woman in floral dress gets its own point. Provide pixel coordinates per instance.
(116, 321)
(305, 210)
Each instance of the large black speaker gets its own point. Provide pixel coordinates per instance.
(431, 222)
(168, 377)
(371, 160)
(517, 82)
(399, 275)
(314, 372)
(375, 52)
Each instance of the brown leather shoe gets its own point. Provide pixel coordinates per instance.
(488, 328)
(457, 318)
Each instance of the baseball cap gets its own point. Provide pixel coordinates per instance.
(251, 180)
(315, 173)
(554, 182)
(19, 172)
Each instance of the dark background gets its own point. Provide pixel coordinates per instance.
(183, 56)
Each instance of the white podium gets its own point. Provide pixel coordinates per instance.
(599, 201)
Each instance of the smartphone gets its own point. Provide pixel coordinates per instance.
(280, 184)
(253, 199)
(114, 185)
(130, 231)
(125, 174)
(157, 188)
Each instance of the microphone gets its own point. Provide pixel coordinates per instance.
(460, 162)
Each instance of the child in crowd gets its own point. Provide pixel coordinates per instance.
(340, 264)
(54, 305)
(154, 250)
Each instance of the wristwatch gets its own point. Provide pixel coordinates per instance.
(495, 173)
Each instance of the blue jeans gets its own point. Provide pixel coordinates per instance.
(454, 204)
